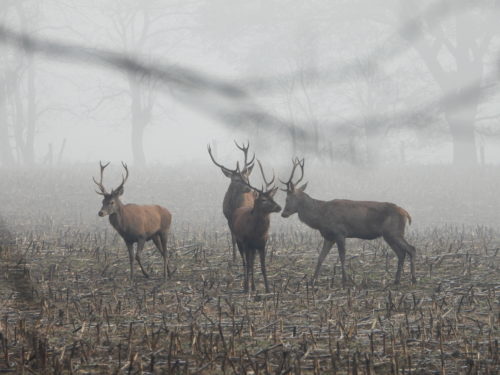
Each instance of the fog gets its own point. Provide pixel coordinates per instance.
(360, 82)
(391, 104)
(384, 100)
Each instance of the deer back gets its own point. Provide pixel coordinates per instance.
(141, 221)
(359, 219)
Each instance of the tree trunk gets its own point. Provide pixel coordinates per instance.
(29, 146)
(138, 143)
(139, 120)
(24, 121)
(468, 50)
(293, 136)
(373, 142)
(6, 156)
(464, 146)
(463, 136)
(18, 118)
(26, 101)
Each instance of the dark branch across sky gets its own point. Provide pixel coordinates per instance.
(228, 102)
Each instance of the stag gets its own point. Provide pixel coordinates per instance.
(238, 193)
(251, 229)
(339, 219)
(135, 223)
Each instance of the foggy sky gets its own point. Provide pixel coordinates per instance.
(320, 66)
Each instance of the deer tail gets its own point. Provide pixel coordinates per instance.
(405, 214)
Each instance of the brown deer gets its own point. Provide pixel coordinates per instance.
(238, 193)
(251, 227)
(339, 219)
(135, 223)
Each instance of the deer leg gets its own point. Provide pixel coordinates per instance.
(233, 242)
(130, 248)
(401, 261)
(341, 247)
(157, 241)
(262, 255)
(246, 254)
(412, 253)
(327, 246)
(400, 252)
(249, 280)
(240, 250)
(140, 246)
(250, 267)
(164, 241)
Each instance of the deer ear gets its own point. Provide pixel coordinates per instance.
(273, 192)
(119, 192)
(227, 173)
(249, 170)
(303, 187)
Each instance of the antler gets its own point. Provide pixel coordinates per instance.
(301, 165)
(124, 178)
(268, 183)
(99, 184)
(220, 165)
(245, 152)
(296, 163)
(253, 187)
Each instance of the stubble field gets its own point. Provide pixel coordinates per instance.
(67, 305)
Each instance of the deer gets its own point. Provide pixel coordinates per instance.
(339, 219)
(135, 223)
(251, 229)
(238, 193)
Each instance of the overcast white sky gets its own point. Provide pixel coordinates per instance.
(240, 41)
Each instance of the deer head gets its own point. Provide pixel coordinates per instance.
(237, 175)
(111, 200)
(294, 194)
(264, 200)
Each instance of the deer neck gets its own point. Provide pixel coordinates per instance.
(237, 195)
(310, 211)
(260, 219)
(117, 218)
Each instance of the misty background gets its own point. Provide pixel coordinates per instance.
(387, 100)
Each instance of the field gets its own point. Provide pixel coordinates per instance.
(67, 305)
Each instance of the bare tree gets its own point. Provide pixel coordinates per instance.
(464, 35)
(6, 154)
(140, 29)
(18, 96)
(132, 28)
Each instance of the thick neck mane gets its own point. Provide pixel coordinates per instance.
(117, 218)
(252, 222)
(237, 195)
(310, 211)
(260, 220)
